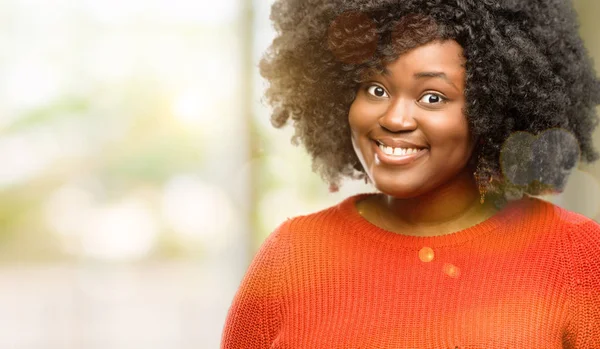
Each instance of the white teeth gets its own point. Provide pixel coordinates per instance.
(397, 151)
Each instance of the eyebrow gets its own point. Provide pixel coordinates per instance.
(440, 75)
(427, 75)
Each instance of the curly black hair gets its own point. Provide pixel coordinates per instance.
(526, 70)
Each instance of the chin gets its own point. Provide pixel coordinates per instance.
(397, 184)
(398, 191)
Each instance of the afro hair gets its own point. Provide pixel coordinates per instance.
(527, 73)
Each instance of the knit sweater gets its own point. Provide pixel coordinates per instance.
(528, 277)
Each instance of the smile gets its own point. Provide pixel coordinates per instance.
(397, 151)
(397, 155)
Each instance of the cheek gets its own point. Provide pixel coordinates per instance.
(359, 129)
(364, 115)
(450, 136)
(451, 128)
(355, 121)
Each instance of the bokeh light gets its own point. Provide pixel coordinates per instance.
(198, 212)
(451, 270)
(426, 254)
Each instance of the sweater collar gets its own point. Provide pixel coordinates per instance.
(360, 225)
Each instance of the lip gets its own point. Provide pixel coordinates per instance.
(396, 159)
(398, 143)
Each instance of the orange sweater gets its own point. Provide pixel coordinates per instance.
(529, 277)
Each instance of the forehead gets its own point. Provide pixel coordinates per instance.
(437, 56)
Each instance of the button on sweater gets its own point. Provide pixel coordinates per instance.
(528, 277)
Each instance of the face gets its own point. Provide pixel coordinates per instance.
(408, 125)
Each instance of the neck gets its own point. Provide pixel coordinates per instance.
(452, 207)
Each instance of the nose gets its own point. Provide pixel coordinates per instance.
(399, 117)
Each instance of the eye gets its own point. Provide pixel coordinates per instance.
(432, 98)
(377, 91)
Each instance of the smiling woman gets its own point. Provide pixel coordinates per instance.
(408, 108)
(424, 99)
(413, 140)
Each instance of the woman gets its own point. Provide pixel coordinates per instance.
(457, 111)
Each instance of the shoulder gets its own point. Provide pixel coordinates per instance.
(542, 212)
(581, 253)
(578, 235)
(304, 235)
(577, 227)
(330, 218)
(557, 226)
(583, 234)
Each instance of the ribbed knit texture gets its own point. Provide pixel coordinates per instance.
(529, 277)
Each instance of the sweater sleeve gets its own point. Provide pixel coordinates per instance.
(585, 285)
(254, 316)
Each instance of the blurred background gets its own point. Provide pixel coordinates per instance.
(139, 172)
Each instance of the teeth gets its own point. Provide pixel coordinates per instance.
(397, 151)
